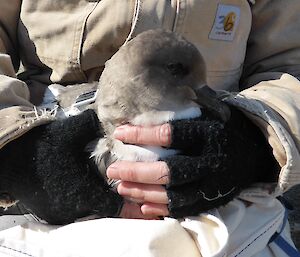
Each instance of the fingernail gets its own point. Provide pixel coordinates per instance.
(114, 165)
(119, 133)
(111, 171)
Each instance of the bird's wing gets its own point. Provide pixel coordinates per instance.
(117, 102)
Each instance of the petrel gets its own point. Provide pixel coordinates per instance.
(156, 77)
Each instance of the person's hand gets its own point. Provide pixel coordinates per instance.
(218, 160)
(143, 182)
(48, 170)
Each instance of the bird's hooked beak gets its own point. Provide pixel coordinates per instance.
(207, 98)
(188, 92)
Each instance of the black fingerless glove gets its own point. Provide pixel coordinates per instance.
(218, 160)
(49, 172)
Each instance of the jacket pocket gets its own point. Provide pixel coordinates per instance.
(220, 30)
(50, 38)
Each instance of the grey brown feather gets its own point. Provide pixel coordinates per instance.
(152, 79)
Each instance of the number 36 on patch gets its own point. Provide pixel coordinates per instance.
(226, 22)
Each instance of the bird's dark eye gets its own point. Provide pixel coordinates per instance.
(177, 69)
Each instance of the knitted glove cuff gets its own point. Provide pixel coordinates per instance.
(200, 183)
(48, 170)
(188, 205)
(76, 130)
(231, 157)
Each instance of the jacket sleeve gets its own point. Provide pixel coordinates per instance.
(17, 114)
(9, 18)
(12, 91)
(271, 95)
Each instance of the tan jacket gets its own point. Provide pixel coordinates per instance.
(68, 42)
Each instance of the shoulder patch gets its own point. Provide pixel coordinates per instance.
(226, 21)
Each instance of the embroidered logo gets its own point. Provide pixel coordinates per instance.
(226, 22)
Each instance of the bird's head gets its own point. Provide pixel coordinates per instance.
(158, 71)
(167, 59)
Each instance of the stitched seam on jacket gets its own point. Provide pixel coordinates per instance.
(77, 42)
(255, 239)
(80, 43)
(15, 250)
(180, 15)
(136, 13)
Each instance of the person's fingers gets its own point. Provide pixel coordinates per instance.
(143, 192)
(140, 172)
(132, 210)
(154, 209)
(159, 135)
